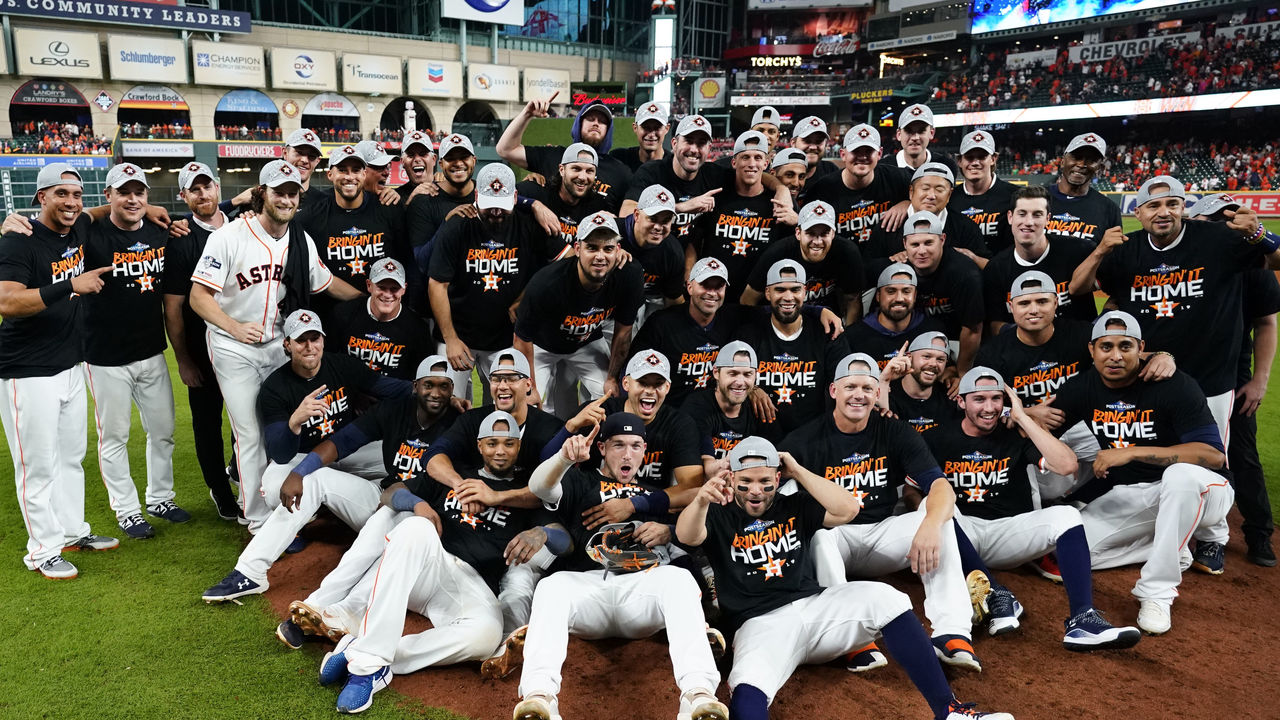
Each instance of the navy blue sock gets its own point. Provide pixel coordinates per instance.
(906, 641)
(748, 703)
(969, 559)
(1073, 562)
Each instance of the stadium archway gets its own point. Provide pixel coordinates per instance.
(394, 116)
(43, 105)
(154, 112)
(246, 114)
(477, 120)
(333, 117)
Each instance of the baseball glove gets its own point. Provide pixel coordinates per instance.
(616, 548)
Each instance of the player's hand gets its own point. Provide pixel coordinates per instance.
(546, 219)
(1160, 366)
(190, 374)
(1049, 417)
(313, 405)
(715, 491)
(428, 188)
(898, 366)
(1113, 238)
(291, 492)
(158, 215)
(247, 333)
(926, 549)
(460, 357)
(578, 447)
(389, 196)
(893, 218)
(524, 546)
(460, 404)
(244, 198)
(246, 215)
(468, 211)
(15, 223)
(653, 533)
(624, 257)
(537, 178)
(1251, 394)
(952, 383)
(1109, 458)
(899, 257)
(705, 202)
(1243, 221)
(423, 509)
(591, 414)
(474, 490)
(540, 108)
(762, 405)
(179, 228)
(609, 511)
(611, 387)
(977, 260)
(1017, 412)
(784, 213)
(788, 465)
(831, 323)
(90, 282)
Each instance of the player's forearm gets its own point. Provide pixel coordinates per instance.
(1264, 347)
(852, 308)
(1195, 453)
(511, 144)
(940, 502)
(970, 338)
(342, 290)
(691, 525)
(519, 498)
(176, 327)
(17, 301)
(440, 468)
(545, 483)
(689, 479)
(1086, 275)
(203, 302)
(1058, 456)
(628, 207)
(438, 295)
(750, 296)
(618, 349)
(838, 502)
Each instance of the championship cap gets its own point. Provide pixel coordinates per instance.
(373, 154)
(766, 115)
(915, 113)
(573, 154)
(725, 357)
(933, 168)
(1174, 188)
(1093, 140)
(808, 126)
(277, 173)
(621, 423)
(751, 140)
(342, 153)
(387, 269)
(922, 217)
(1210, 204)
(303, 137)
(969, 383)
(692, 124)
(495, 187)
(519, 364)
(51, 175)
(978, 140)
(454, 140)
(753, 452)
(649, 362)
(301, 321)
(707, 268)
(787, 157)
(192, 170)
(851, 365)
(652, 111)
(600, 107)
(1032, 282)
(1130, 328)
(930, 341)
(862, 135)
(656, 199)
(888, 274)
(487, 429)
(597, 222)
(417, 137)
(817, 212)
(774, 276)
(125, 172)
(426, 368)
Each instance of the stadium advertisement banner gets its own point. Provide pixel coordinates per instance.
(57, 53)
(1249, 31)
(246, 101)
(613, 94)
(1118, 108)
(911, 40)
(297, 69)
(757, 100)
(709, 93)
(371, 74)
(871, 97)
(1126, 48)
(493, 82)
(39, 161)
(331, 105)
(1034, 58)
(540, 84)
(435, 78)
(255, 151)
(228, 64)
(144, 14)
(989, 16)
(1263, 203)
(156, 60)
(499, 12)
(49, 92)
(153, 97)
(129, 148)
(807, 4)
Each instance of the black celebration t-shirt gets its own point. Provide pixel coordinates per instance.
(690, 348)
(568, 214)
(857, 211)
(180, 258)
(425, 214)
(989, 211)
(459, 443)
(1261, 297)
(988, 472)
(1059, 261)
(952, 293)
(612, 175)
(958, 230)
(405, 442)
(344, 379)
(1087, 217)
(1037, 371)
(43, 344)
(124, 322)
(349, 241)
(736, 232)
(671, 441)
(923, 415)
(392, 347)
(870, 337)
(794, 372)
(662, 263)
(660, 172)
(580, 491)
(559, 315)
(718, 433)
(839, 273)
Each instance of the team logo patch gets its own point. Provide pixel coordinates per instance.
(1044, 365)
(1090, 138)
(653, 359)
(353, 231)
(758, 525)
(597, 219)
(304, 318)
(70, 252)
(376, 337)
(193, 167)
(414, 442)
(855, 458)
(496, 186)
(819, 210)
(864, 134)
(652, 108)
(1164, 268)
(389, 267)
(129, 170)
(976, 456)
(699, 121)
(785, 357)
(138, 247)
(309, 137)
(663, 197)
(917, 111)
(1066, 217)
(209, 263)
(455, 139)
(1120, 406)
(713, 264)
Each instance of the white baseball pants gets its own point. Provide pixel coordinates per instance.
(45, 425)
(1009, 542)
(116, 389)
(871, 551)
(1047, 485)
(814, 630)
(593, 605)
(352, 498)
(417, 573)
(1220, 406)
(1151, 523)
(557, 373)
(241, 369)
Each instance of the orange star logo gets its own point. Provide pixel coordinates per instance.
(1164, 308)
(145, 283)
(357, 266)
(740, 247)
(491, 282)
(784, 394)
(976, 494)
(773, 568)
(860, 495)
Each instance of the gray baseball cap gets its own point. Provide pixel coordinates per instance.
(277, 173)
(692, 124)
(936, 169)
(597, 222)
(929, 341)
(1174, 188)
(656, 199)
(51, 176)
(487, 429)
(817, 212)
(706, 268)
(373, 154)
(848, 367)
(978, 140)
(922, 217)
(1130, 328)
(652, 111)
(1210, 204)
(573, 154)
(1092, 140)
(126, 172)
(969, 383)
(417, 137)
(787, 157)
(518, 363)
(495, 187)
(303, 137)
(301, 321)
(774, 276)
(454, 140)
(862, 135)
(808, 126)
(1032, 282)
(725, 356)
(649, 362)
(753, 452)
(749, 141)
(766, 115)
(342, 153)
(426, 368)
(887, 275)
(915, 113)
(387, 269)
(192, 171)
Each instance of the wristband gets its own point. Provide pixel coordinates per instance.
(523, 201)
(1269, 241)
(652, 503)
(403, 500)
(1162, 352)
(309, 464)
(558, 540)
(50, 294)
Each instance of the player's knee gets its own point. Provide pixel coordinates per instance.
(885, 602)
(415, 529)
(677, 583)
(1062, 518)
(1176, 480)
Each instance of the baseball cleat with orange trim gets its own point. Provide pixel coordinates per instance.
(55, 568)
(957, 651)
(868, 658)
(967, 711)
(510, 656)
(715, 638)
(1046, 566)
(93, 542)
(979, 587)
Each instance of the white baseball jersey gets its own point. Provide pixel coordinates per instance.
(244, 266)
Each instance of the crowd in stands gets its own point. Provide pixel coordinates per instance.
(177, 130)
(396, 136)
(338, 135)
(680, 67)
(46, 137)
(244, 132)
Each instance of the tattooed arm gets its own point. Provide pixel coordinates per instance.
(1197, 453)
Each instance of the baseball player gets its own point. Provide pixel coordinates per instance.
(124, 353)
(454, 189)
(948, 285)
(443, 563)
(895, 318)
(982, 197)
(303, 151)
(44, 410)
(986, 463)
(1157, 482)
(789, 167)
(1076, 208)
(723, 413)
(766, 121)
(378, 171)
(865, 194)
(569, 193)
(810, 137)
(646, 235)
(651, 125)
(916, 390)
(593, 126)
(418, 158)
(379, 330)
(930, 191)
(874, 458)
(198, 187)
(762, 546)
(238, 288)
(579, 600)
(914, 133)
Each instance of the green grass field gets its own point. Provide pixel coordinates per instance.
(131, 638)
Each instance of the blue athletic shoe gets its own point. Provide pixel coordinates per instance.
(333, 667)
(233, 586)
(1003, 611)
(168, 510)
(1090, 631)
(290, 634)
(1208, 557)
(298, 545)
(358, 694)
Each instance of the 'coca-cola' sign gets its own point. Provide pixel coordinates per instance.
(845, 46)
